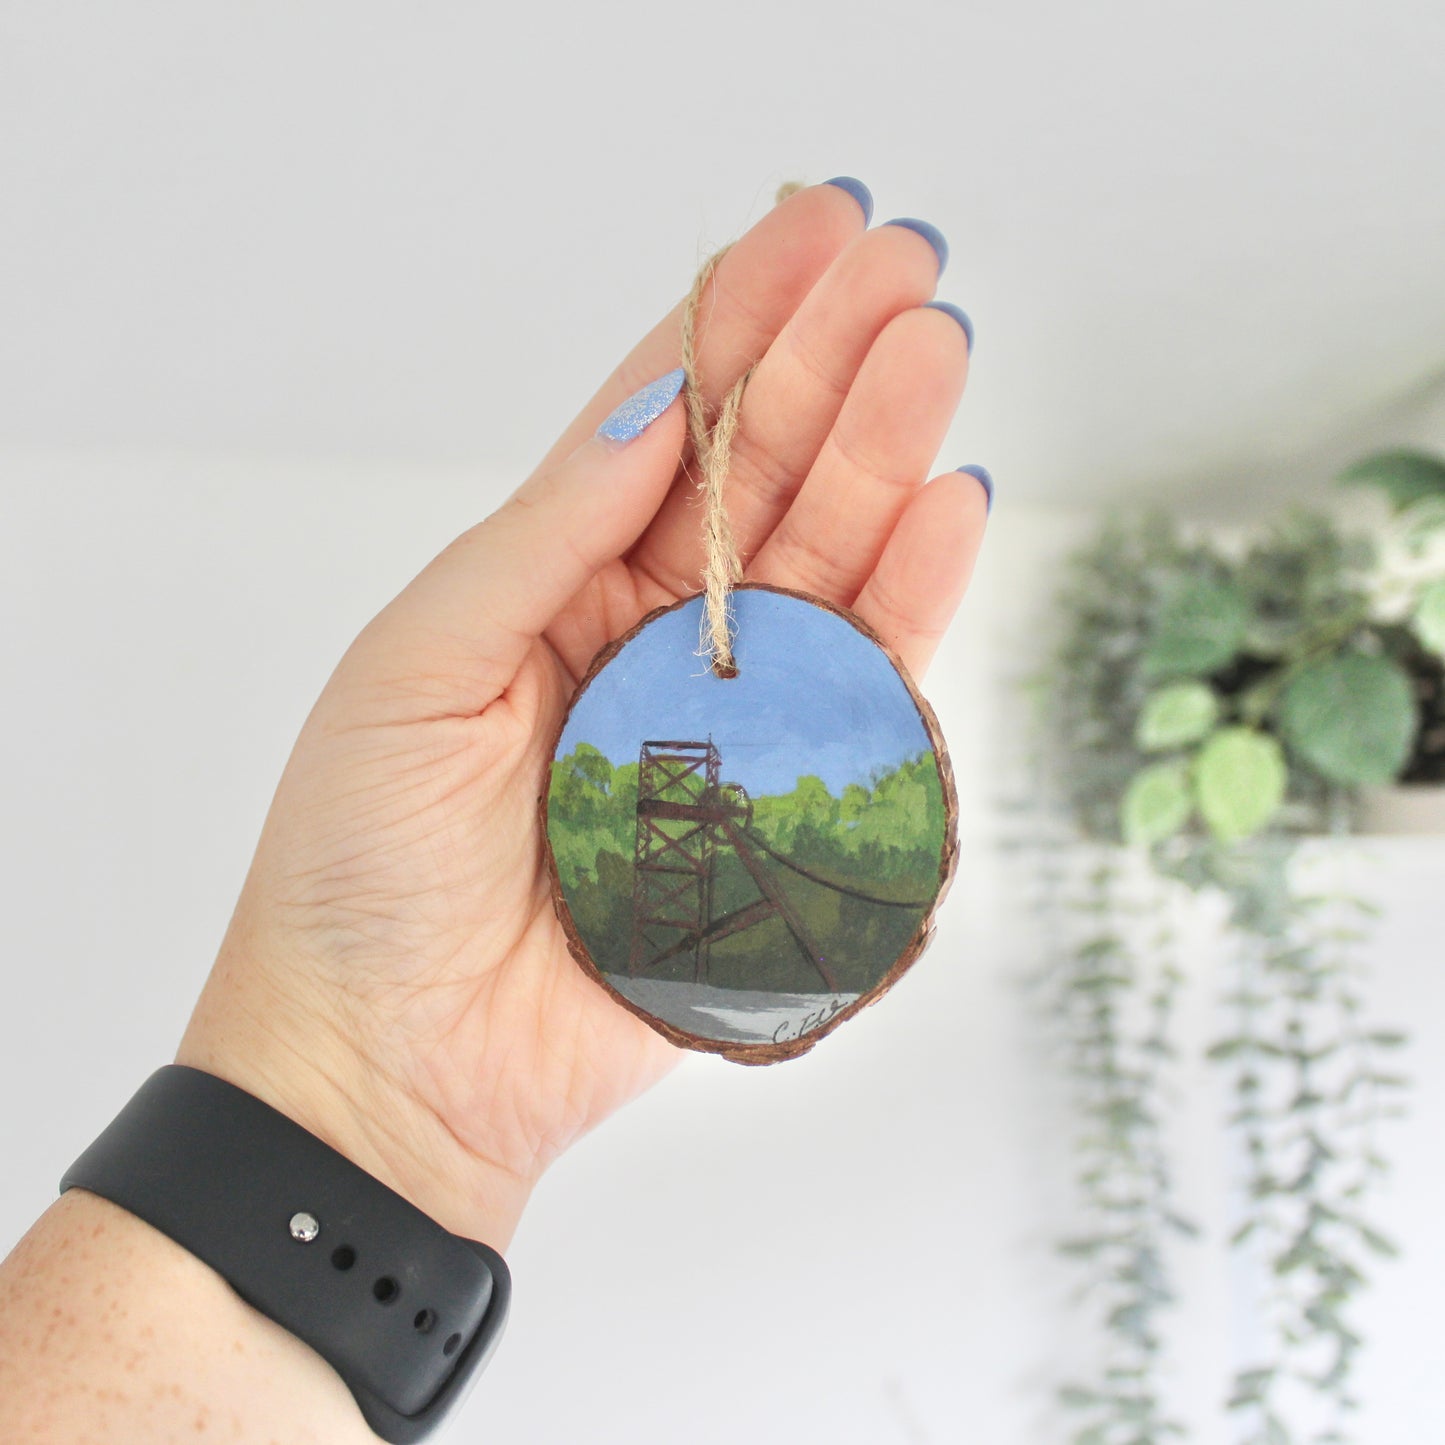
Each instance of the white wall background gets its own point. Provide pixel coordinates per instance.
(292, 292)
(1195, 238)
(855, 1246)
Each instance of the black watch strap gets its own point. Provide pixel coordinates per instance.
(405, 1312)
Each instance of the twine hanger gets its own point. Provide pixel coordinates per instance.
(712, 452)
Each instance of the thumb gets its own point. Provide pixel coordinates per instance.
(464, 625)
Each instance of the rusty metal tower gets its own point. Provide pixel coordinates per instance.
(684, 811)
(673, 863)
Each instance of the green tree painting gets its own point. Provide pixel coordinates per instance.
(884, 839)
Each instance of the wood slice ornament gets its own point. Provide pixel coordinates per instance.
(747, 839)
(745, 862)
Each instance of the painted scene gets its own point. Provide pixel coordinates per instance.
(744, 858)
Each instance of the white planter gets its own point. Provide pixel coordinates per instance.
(1408, 811)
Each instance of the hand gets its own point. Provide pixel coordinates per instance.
(394, 977)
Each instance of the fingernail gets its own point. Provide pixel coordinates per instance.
(981, 476)
(958, 314)
(642, 408)
(858, 191)
(931, 234)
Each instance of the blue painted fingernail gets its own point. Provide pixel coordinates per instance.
(958, 314)
(642, 408)
(858, 191)
(931, 234)
(981, 476)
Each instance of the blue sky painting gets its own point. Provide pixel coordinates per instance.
(813, 695)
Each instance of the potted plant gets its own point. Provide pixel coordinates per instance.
(1209, 709)
(1410, 591)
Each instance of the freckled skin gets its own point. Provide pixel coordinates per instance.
(110, 1334)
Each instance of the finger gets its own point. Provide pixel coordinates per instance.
(456, 636)
(795, 395)
(757, 287)
(873, 461)
(926, 566)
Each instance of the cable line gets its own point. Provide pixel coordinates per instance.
(829, 883)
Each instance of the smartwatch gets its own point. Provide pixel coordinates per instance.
(405, 1312)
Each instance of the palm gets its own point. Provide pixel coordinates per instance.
(404, 849)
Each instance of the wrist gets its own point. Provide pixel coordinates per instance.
(304, 1062)
(90, 1348)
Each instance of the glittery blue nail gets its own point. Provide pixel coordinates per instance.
(981, 476)
(931, 234)
(858, 191)
(642, 408)
(958, 314)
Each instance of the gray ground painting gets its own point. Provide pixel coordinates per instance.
(733, 1015)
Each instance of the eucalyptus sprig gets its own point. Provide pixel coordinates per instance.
(1120, 952)
(1311, 1087)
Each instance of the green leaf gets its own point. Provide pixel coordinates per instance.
(1420, 524)
(1380, 1243)
(1240, 777)
(1405, 476)
(1430, 618)
(1157, 803)
(1351, 717)
(1198, 631)
(1275, 1432)
(1175, 715)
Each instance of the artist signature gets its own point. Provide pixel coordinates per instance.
(788, 1029)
